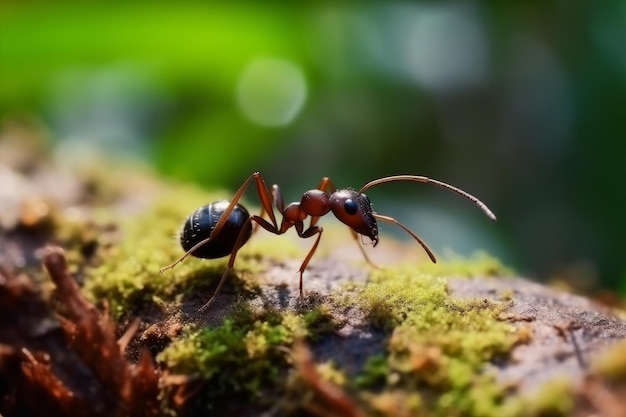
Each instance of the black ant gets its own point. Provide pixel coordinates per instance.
(223, 227)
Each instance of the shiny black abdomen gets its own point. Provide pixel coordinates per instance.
(201, 223)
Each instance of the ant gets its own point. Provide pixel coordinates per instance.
(222, 227)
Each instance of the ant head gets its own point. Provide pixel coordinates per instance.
(355, 210)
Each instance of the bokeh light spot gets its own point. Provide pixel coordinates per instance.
(271, 92)
(444, 59)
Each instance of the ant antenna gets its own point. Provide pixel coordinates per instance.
(425, 180)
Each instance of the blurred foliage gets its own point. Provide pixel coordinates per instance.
(519, 103)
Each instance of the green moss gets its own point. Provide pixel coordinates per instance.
(434, 363)
(507, 295)
(479, 264)
(330, 372)
(612, 364)
(246, 354)
(375, 372)
(320, 321)
(438, 350)
(391, 295)
(232, 359)
(555, 398)
(438, 344)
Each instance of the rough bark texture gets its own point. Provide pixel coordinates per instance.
(74, 367)
(65, 353)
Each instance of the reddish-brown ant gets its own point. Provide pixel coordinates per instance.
(223, 227)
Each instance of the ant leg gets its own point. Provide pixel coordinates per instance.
(409, 231)
(265, 197)
(306, 234)
(266, 204)
(327, 185)
(231, 261)
(256, 225)
(367, 258)
(278, 199)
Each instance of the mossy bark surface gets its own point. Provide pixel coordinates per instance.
(464, 337)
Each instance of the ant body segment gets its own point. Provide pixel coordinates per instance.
(200, 224)
(223, 227)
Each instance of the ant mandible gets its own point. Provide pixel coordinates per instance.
(223, 227)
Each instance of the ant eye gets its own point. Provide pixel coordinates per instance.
(350, 206)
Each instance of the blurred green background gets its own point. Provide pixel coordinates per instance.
(522, 104)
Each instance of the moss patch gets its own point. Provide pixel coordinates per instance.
(247, 354)
(435, 361)
(437, 349)
(480, 263)
(612, 364)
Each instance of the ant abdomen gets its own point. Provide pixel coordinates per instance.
(200, 224)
